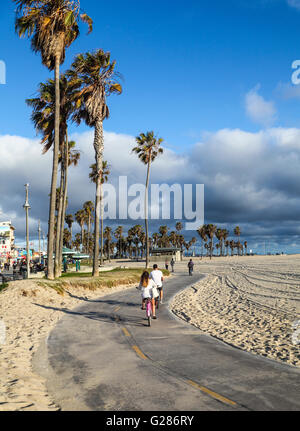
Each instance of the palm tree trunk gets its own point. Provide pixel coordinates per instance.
(99, 147)
(50, 246)
(102, 224)
(146, 213)
(59, 233)
(64, 207)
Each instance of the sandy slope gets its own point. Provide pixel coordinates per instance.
(248, 302)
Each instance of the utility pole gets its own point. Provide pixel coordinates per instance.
(39, 231)
(26, 206)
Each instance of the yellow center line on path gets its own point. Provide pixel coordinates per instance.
(126, 333)
(139, 352)
(212, 394)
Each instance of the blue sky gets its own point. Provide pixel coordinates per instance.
(186, 64)
(212, 78)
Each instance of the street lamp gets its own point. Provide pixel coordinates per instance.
(26, 207)
(39, 231)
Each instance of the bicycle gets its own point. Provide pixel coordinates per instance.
(149, 310)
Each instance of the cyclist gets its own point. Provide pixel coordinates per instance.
(149, 290)
(157, 276)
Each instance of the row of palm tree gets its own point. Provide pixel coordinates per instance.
(207, 233)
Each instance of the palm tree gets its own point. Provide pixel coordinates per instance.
(219, 236)
(97, 75)
(52, 27)
(118, 235)
(88, 208)
(227, 243)
(69, 219)
(232, 245)
(155, 238)
(237, 232)
(108, 237)
(148, 148)
(202, 233)
(43, 116)
(246, 246)
(80, 219)
(224, 238)
(211, 230)
(104, 173)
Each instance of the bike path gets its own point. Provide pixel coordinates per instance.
(103, 356)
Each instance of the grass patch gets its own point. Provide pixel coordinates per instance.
(107, 279)
(3, 286)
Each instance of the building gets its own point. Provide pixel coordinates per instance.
(7, 241)
(160, 254)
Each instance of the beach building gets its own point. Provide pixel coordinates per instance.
(7, 241)
(159, 254)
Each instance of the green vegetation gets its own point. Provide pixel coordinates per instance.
(108, 279)
(3, 286)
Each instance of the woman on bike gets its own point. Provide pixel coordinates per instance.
(149, 290)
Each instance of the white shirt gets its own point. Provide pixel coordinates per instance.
(147, 292)
(156, 275)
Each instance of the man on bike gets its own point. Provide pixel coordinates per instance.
(157, 276)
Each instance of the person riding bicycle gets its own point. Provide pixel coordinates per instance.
(157, 276)
(149, 291)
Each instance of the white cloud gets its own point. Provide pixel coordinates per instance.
(258, 109)
(294, 3)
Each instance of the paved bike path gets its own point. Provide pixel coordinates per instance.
(103, 356)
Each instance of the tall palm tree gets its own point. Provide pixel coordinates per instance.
(98, 80)
(52, 27)
(80, 219)
(104, 173)
(148, 148)
(203, 234)
(237, 232)
(211, 230)
(69, 219)
(43, 116)
(219, 235)
(118, 235)
(88, 208)
(224, 238)
(246, 246)
(108, 236)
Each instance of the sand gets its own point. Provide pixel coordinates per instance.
(29, 313)
(252, 303)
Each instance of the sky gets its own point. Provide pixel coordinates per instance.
(213, 79)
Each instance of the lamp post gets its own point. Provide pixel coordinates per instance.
(26, 206)
(39, 231)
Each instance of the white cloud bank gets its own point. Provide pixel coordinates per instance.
(250, 178)
(258, 109)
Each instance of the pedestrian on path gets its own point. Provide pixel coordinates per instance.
(172, 264)
(191, 267)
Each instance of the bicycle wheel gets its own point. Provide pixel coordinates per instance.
(149, 312)
(157, 303)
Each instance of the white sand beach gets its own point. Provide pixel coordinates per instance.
(248, 302)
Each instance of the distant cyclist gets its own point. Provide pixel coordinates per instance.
(149, 291)
(157, 276)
